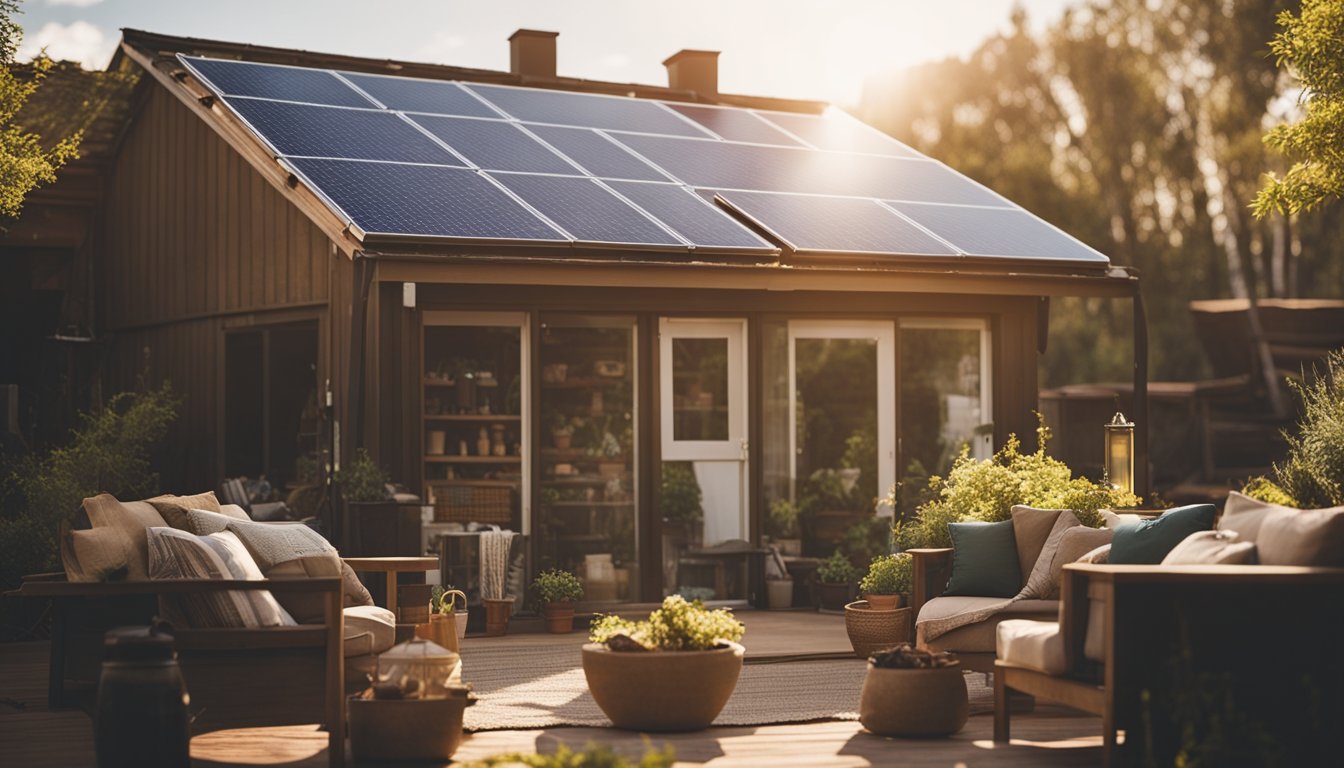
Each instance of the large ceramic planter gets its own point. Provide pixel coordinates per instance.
(559, 618)
(662, 690)
(871, 630)
(834, 596)
(913, 702)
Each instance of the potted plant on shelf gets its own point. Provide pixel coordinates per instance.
(562, 434)
(558, 591)
(909, 692)
(836, 574)
(671, 672)
(784, 527)
(878, 621)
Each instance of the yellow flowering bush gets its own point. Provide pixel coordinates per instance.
(677, 626)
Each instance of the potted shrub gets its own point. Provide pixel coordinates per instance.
(671, 672)
(783, 527)
(372, 524)
(836, 574)
(887, 581)
(679, 498)
(909, 692)
(558, 591)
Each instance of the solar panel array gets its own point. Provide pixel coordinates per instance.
(498, 164)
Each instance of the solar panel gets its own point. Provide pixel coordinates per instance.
(355, 134)
(735, 124)
(409, 94)
(838, 133)
(694, 219)
(532, 105)
(422, 200)
(270, 81)
(998, 232)
(835, 224)
(495, 144)
(597, 154)
(582, 207)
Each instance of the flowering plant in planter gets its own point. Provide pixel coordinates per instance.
(558, 591)
(677, 626)
(887, 576)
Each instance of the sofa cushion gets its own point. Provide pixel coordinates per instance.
(132, 519)
(1211, 548)
(234, 511)
(984, 560)
(175, 554)
(1075, 544)
(174, 508)
(204, 523)
(369, 629)
(979, 637)
(1099, 556)
(1044, 580)
(97, 554)
(1117, 519)
(1309, 537)
(1147, 542)
(1031, 529)
(352, 589)
(1038, 645)
(1243, 514)
(273, 543)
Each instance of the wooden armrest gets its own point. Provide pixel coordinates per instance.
(392, 564)
(171, 587)
(1209, 574)
(931, 570)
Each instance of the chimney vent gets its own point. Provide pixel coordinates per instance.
(696, 71)
(532, 53)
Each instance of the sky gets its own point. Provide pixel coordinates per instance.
(818, 49)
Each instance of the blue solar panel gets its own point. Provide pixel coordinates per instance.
(354, 134)
(838, 133)
(409, 94)
(735, 124)
(835, 224)
(694, 219)
(495, 144)
(598, 155)
(585, 110)
(587, 211)
(423, 200)
(998, 232)
(726, 165)
(268, 81)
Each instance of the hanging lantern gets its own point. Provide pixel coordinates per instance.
(1120, 453)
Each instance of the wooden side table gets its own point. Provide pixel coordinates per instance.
(390, 567)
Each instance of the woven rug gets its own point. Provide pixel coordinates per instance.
(522, 689)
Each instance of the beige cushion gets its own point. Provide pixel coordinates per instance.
(1035, 644)
(307, 608)
(980, 637)
(1286, 536)
(1245, 515)
(369, 629)
(1043, 583)
(1211, 548)
(1031, 528)
(97, 554)
(274, 543)
(132, 519)
(1075, 543)
(234, 511)
(203, 523)
(352, 589)
(175, 554)
(1099, 556)
(1115, 519)
(174, 508)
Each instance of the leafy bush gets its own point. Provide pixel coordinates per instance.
(783, 519)
(108, 453)
(362, 480)
(986, 491)
(825, 491)
(867, 539)
(590, 757)
(836, 569)
(677, 626)
(556, 586)
(679, 496)
(1312, 476)
(443, 599)
(889, 575)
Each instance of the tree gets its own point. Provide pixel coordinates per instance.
(1312, 46)
(25, 163)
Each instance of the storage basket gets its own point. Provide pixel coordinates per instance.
(870, 630)
(473, 504)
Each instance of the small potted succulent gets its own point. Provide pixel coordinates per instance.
(558, 591)
(909, 692)
(836, 575)
(784, 527)
(887, 581)
(671, 672)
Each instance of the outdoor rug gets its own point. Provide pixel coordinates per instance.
(523, 689)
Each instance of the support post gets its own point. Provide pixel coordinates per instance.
(1141, 421)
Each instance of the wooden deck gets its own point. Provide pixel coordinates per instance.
(34, 737)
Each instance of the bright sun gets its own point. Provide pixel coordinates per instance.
(856, 48)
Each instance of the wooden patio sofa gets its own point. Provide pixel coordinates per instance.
(1183, 656)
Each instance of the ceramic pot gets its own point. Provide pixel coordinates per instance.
(559, 618)
(662, 690)
(883, 602)
(461, 618)
(913, 702)
(409, 729)
(563, 440)
(780, 593)
(497, 613)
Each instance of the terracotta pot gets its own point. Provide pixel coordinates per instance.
(883, 602)
(780, 593)
(913, 702)
(497, 613)
(563, 440)
(834, 596)
(559, 618)
(662, 690)
(872, 630)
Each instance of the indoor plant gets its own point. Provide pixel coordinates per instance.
(909, 692)
(784, 527)
(836, 574)
(887, 580)
(671, 672)
(558, 591)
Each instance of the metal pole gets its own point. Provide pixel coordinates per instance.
(1141, 487)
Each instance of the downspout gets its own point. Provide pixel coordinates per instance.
(363, 280)
(1140, 395)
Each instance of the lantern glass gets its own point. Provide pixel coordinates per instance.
(1120, 453)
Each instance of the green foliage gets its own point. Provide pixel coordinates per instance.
(108, 453)
(1312, 47)
(679, 496)
(441, 600)
(783, 521)
(867, 539)
(677, 626)
(362, 480)
(889, 575)
(836, 569)
(591, 757)
(825, 491)
(557, 586)
(1312, 475)
(987, 490)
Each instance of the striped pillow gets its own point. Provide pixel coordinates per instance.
(175, 554)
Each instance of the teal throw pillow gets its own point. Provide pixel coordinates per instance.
(1147, 542)
(984, 560)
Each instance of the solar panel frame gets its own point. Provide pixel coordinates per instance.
(594, 197)
(1016, 227)
(315, 130)
(646, 194)
(861, 138)
(560, 138)
(585, 110)
(378, 88)
(216, 73)
(735, 124)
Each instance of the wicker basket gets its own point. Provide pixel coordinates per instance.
(473, 504)
(870, 631)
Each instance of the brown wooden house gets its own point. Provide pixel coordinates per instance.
(634, 325)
